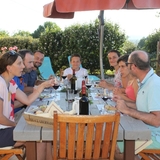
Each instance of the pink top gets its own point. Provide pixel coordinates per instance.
(130, 92)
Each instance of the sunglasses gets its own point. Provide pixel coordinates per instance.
(128, 63)
(11, 53)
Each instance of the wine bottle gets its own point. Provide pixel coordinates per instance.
(84, 102)
(74, 82)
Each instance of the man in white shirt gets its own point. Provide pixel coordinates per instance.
(80, 72)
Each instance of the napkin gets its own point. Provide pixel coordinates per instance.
(95, 96)
(75, 106)
(53, 107)
(100, 106)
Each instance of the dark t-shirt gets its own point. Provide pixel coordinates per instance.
(30, 78)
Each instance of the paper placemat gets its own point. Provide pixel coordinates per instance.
(100, 106)
(95, 96)
(50, 96)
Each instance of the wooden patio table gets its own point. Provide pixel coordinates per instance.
(130, 129)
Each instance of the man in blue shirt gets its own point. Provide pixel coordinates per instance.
(147, 101)
(28, 59)
(30, 79)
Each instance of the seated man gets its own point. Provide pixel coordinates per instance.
(147, 101)
(30, 79)
(28, 59)
(79, 72)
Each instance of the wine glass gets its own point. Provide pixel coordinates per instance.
(105, 96)
(56, 86)
(89, 84)
(64, 77)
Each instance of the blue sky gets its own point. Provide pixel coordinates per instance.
(27, 15)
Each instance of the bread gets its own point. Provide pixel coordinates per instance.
(111, 108)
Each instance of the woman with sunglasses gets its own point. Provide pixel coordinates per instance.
(11, 64)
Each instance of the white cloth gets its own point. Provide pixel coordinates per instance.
(5, 96)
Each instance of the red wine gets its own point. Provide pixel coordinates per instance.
(84, 102)
(56, 87)
(88, 85)
(64, 77)
(105, 98)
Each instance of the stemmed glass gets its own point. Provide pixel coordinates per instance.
(56, 86)
(89, 84)
(105, 97)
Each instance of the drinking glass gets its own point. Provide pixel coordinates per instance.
(56, 85)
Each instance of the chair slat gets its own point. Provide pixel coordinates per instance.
(62, 140)
(71, 140)
(98, 139)
(80, 141)
(89, 141)
(106, 141)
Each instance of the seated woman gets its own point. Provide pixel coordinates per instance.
(11, 64)
(113, 56)
(128, 80)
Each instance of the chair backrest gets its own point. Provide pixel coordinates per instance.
(69, 59)
(85, 137)
(46, 68)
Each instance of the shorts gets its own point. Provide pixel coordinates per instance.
(6, 137)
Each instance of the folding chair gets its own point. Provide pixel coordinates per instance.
(150, 154)
(46, 68)
(8, 152)
(85, 137)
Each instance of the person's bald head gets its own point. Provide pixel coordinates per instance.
(140, 59)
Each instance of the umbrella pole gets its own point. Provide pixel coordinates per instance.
(101, 27)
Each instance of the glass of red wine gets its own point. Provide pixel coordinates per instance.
(88, 85)
(105, 98)
(64, 77)
(56, 86)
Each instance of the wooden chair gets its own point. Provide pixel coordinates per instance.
(85, 137)
(8, 152)
(149, 154)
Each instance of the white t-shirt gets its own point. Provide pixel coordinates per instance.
(79, 74)
(6, 94)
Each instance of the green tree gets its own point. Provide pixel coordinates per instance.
(141, 43)
(82, 39)
(38, 31)
(48, 26)
(20, 42)
(151, 42)
(3, 33)
(22, 34)
(129, 46)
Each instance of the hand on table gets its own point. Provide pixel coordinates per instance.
(121, 105)
(48, 83)
(103, 84)
(117, 91)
